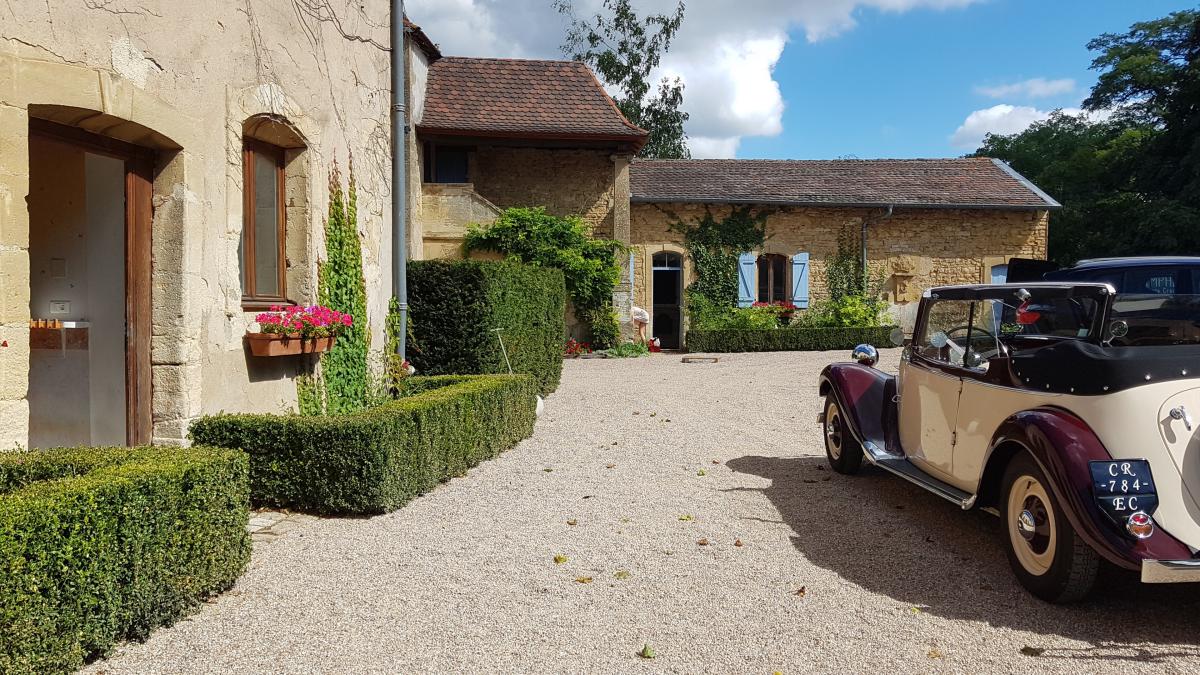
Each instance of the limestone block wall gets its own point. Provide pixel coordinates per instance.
(912, 250)
(444, 213)
(565, 181)
(182, 79)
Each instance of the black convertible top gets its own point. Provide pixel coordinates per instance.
(1088, 369)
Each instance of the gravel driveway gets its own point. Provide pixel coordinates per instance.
(635, 465)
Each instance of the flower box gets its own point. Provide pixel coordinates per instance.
(278, 344)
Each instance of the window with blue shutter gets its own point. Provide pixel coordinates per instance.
(747, 275)
(800, 280)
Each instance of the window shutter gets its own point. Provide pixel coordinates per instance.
(800, 280)
(747, 276)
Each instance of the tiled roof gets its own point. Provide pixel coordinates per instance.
(521, 99)
(947, 183)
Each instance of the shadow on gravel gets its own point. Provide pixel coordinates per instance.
(892, 538)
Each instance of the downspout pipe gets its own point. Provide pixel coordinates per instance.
(867, 222)
(399, 184)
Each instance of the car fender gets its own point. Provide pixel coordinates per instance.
(1062, 444)
(866, 397)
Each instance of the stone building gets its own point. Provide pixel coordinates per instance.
(129, 133)
(926, 221)
(164, 175)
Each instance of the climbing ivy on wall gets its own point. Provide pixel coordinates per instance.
(714, 245)
(342, 385)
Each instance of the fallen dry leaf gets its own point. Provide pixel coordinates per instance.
(559, 559)
(703, 541)
(547, 469)
(935, 654)
(572, 522)
(686, 516)
(610, 466)
(737, 542)
(647, 652)
(636, 412)
(801, 591)
(701, 472)
(716, 461)
(621, 574)
(810, 480)
(583, 580)
(654, 414)
(1033, 651)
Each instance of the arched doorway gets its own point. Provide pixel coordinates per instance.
(667, 290)
(90, 211)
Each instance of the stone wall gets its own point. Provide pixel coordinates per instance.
(565, 181)
(912, 250)
(182, 79)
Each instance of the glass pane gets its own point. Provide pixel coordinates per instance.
(778, 277)
(764, 273)
(948, 321)
(266, 226)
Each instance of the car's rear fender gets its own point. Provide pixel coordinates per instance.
(866, 397)
(1062, 445)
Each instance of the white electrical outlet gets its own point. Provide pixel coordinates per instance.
(60, 306)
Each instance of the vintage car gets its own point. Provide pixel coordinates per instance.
(1066, 409)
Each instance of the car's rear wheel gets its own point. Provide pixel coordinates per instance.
(844, 453)
(1050, 560)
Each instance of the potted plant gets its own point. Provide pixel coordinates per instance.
(285, 331)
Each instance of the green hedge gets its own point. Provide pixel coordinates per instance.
(455, 307)
(375, 460)
(98, 545)
(786, 339)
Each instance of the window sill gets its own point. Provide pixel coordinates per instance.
(255, 305)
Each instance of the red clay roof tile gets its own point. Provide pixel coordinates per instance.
(522, 99)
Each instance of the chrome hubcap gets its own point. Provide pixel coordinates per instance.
(1026, 525)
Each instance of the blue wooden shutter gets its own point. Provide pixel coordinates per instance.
(747, 276)
(800, 280)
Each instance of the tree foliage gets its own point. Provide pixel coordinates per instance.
(624, 49)
(1129, 184)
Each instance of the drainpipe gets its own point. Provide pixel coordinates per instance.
(867, 222)
(399, 186)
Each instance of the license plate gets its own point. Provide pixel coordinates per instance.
(1124, 487)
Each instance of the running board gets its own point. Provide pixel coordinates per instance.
(906, 470)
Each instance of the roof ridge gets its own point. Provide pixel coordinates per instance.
(513, 59)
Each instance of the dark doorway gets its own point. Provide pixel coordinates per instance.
(667, 298)
(90, 216)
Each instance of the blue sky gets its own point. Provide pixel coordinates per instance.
(900, 84)
(832, 78)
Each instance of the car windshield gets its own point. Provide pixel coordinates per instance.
(1153, 319)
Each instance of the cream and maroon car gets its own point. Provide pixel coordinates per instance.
(1067, 409)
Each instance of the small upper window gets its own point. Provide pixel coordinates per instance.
(773, 283)
(264, 226)
(445, 164)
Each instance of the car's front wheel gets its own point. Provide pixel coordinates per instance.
(1050, 560)
(844, 453)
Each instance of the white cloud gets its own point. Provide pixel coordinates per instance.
(725, 54)
(1038, 87)
(1009, 119)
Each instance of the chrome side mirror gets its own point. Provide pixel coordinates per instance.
(865, 355)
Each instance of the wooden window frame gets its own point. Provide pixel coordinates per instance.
(251, 299)
(766, 259)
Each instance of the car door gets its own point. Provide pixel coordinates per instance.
(930, 385)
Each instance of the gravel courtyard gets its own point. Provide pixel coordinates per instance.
(696, 515)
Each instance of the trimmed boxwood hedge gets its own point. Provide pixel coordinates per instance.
(787, 339)
(103, 544)
(456, 305)
(375, 460)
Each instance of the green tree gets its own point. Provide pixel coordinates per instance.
(1129, 185)
(624, 49)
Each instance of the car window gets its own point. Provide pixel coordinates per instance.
(1153, 280)
(960, 333)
